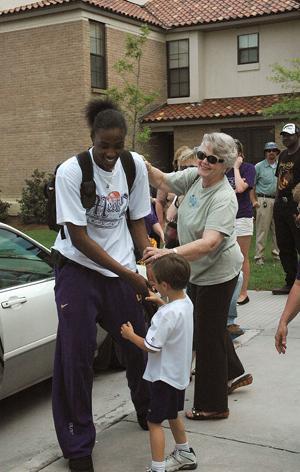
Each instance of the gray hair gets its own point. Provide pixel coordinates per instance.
(223, 146)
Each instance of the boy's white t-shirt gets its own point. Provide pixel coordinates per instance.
(171, 336)
(106, 220)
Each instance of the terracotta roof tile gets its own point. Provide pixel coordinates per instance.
(172, 13)
(192, 12)
(121, 7)
(213, 108)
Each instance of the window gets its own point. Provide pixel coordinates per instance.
(248, 51)
(178, 68)
(22, 261)
(97, 51)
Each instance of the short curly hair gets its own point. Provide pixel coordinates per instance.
(223, 146)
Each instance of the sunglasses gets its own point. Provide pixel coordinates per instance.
(211, 159)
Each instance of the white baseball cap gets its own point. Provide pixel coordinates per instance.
(290, 128)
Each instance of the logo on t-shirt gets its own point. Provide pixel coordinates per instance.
(285, 176)
(193, 201)
(108, 210)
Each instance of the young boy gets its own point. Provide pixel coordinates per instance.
(169, 344)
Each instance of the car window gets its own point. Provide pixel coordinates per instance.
(21, 261)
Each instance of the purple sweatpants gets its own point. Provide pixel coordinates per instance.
(85, 297)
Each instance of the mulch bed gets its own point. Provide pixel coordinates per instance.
(16, 222)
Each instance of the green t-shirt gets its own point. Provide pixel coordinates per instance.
(207, 208)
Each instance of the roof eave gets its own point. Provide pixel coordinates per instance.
(238, 23)
(208, 121)
(77, 5)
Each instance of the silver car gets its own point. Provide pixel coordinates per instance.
(28, 318)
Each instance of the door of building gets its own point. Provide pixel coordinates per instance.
(253, 140)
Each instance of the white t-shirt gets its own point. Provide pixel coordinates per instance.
(171, 336)
(106, 220)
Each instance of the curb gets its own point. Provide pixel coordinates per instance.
(42, 460)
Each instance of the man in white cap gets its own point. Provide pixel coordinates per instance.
(286, 215)
(265, 188)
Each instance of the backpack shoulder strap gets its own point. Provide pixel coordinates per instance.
(129, 168)
(85, 161)
(88, 186)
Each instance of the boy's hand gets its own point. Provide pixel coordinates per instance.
(127, 330)
(154, 298)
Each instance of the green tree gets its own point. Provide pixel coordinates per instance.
(289, 79)
(33, 200)
(4, 206)
(131, 97)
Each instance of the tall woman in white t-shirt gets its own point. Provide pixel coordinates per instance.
(96, 278)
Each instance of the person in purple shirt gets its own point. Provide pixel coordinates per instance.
(242, 177)
(153, 227)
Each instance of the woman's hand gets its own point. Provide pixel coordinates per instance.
(127, 330)
(172, 213)
(238, 162)
(152, 253)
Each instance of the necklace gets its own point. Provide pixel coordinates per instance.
(105, 176)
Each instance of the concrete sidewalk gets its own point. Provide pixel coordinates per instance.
(262, 433)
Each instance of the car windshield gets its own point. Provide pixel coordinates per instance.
(21, 261)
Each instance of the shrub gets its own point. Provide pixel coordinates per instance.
(4, 206)
(33, 201)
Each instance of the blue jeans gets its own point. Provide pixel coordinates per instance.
(232, 313)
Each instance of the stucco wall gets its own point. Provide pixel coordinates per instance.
(224, 78)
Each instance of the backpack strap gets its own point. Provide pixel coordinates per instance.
(128, 164)
(88, 186)
(129, 168)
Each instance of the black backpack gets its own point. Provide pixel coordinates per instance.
(88, 186)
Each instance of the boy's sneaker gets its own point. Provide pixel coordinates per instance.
(181, 460)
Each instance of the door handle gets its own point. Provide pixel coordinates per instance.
(14, 301)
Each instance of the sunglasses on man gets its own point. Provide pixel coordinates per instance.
(210, 159)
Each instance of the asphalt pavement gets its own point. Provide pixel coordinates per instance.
(262, 432)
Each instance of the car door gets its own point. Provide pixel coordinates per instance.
(28, 317)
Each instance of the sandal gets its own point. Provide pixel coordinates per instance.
(241, 382)
(194, 414)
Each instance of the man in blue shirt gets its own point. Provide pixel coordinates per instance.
(265, 187)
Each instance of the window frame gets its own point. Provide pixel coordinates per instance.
(96, 85)
(178, 69)
(239, 50)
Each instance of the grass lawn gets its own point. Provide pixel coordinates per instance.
(265, 277)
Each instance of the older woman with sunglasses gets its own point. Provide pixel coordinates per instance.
(207, 238)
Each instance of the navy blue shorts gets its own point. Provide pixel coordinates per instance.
(165, 402)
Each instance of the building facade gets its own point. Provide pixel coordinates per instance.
(210, 67)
